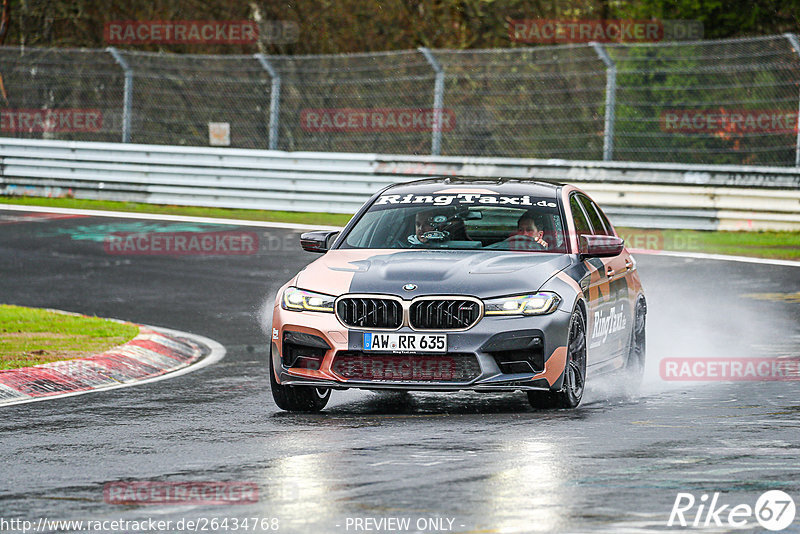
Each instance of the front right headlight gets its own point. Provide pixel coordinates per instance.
(296, 299)
(539, 303)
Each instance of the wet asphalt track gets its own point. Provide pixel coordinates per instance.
(486, 461)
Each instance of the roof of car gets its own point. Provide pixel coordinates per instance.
(500, 186)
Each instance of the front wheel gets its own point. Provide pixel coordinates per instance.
(571, 392)
(297, 398)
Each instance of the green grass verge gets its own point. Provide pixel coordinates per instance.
(781, 245)
(322, 219)
(30, 336)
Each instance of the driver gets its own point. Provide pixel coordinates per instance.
(433, 225)
(422, 224)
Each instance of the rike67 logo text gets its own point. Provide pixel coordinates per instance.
(774, 510)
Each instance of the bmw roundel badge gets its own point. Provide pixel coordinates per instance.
(410, 287)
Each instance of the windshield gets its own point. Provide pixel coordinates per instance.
(464, 221)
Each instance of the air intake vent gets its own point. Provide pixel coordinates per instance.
(453, 367)
(444, 314)
(370, 312)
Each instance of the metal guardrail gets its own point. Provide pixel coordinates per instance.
(646, 195)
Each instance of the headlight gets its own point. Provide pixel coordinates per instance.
(300, 300)
(533, 304)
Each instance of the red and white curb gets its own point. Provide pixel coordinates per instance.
(154, 354)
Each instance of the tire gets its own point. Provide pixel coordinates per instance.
(297, 398)
(573, 385)
(634, 366)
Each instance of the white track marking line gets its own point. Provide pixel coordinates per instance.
(162, 217)
(719, 257)
(294, 226)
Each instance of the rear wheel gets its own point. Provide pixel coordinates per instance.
(297, 398)
(634, 366)
(571, 392)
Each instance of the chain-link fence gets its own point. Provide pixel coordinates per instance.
(731, 101)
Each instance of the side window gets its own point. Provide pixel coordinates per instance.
(581, 224)
(599, 226)
(609, 228)
(559, 232)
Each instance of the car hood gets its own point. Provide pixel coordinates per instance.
(461, 272)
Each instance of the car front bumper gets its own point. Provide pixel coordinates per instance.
(492, 342)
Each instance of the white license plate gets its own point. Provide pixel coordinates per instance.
(405, 342)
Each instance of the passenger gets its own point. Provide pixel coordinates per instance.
(529, 234)
(532, 225)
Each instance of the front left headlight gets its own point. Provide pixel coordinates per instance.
(531, 304)
(301, 300)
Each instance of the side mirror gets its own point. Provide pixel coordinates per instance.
(318, 241)
(600, 246)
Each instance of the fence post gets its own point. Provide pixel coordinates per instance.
(796, 46)
(611, 100)
(438, 101)
(127, 101)
(274, 100)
